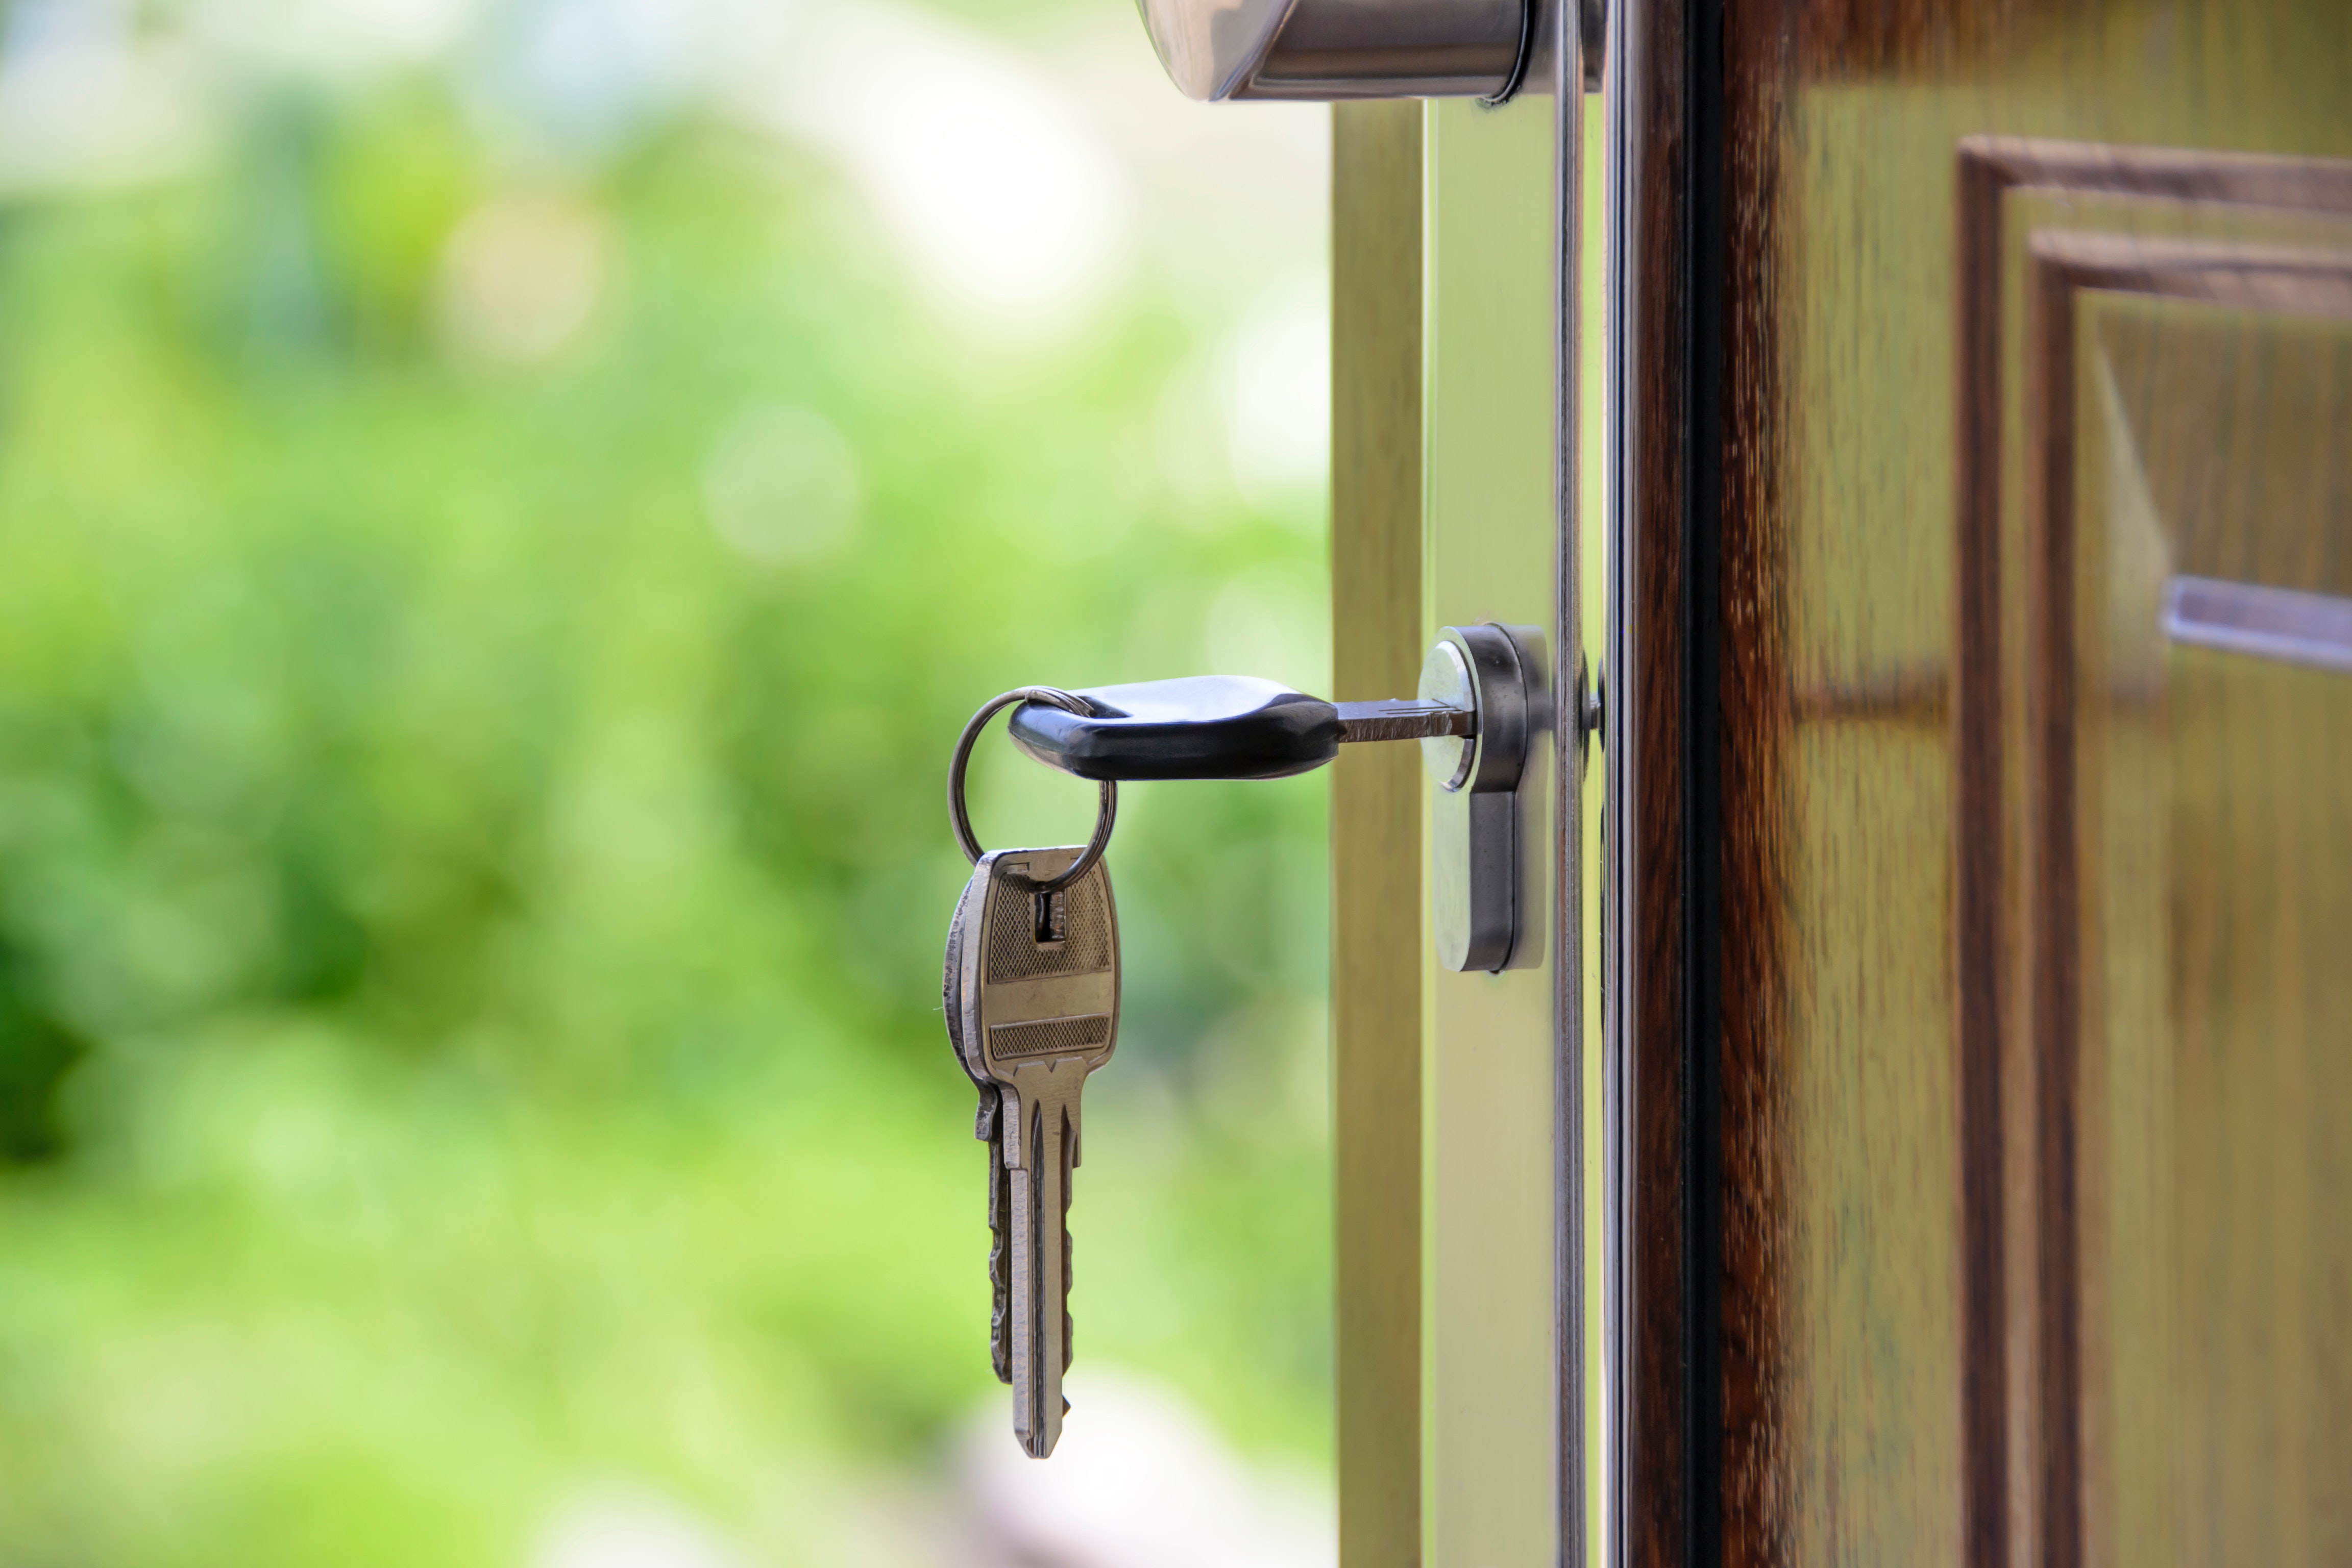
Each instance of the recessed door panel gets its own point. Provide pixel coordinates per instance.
(2192, 1044)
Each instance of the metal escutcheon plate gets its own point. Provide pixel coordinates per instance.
(1473, 810)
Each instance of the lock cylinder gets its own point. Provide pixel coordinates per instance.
(1474, 813)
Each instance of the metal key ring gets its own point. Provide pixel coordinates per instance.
(1106, 815)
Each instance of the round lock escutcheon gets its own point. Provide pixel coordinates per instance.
(1477, 668)
(1445, 677)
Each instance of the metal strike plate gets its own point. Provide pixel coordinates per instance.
(1473, 812)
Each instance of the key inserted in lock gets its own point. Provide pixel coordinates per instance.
(1472, 717)
(1215, 727)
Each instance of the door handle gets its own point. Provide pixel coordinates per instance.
(1325, 51)
(1477, 713)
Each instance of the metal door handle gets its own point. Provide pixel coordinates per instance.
(1325, 51)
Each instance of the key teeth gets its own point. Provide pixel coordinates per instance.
(1000, 1257)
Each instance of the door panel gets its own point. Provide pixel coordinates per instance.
(2183, 268)
(2192, 884)
(1973, 1000)
(1458, 1095)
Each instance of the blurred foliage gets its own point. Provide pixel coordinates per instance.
(470, 932)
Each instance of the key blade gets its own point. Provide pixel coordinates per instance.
(1397, 719)
(1047, 1093)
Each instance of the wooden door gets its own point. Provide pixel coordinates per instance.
(1981, 781)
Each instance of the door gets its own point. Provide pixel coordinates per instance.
(1459, 984)
(1979, 696)
(1459, 1108)
(1980, 707)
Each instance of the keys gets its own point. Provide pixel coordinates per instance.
(1031, 1000)
(1031, 990)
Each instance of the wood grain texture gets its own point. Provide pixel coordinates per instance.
(2124, 1003)
(2042, 932)
(1980, 861)
(1825, 1001)
(2053, 915)
(1376, 863)
(1755, 832)
(1647, 1089)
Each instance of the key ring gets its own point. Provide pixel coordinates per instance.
(1106, 814)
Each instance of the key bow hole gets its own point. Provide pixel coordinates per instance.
(1052, 916)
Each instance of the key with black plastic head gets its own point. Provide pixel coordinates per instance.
(1217, 727)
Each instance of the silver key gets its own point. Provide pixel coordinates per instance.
(988, 1126)
(1033, 1003)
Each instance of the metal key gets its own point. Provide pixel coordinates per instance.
(988, 1126)
(1033, 1005)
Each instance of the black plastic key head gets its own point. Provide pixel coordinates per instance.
(1202, 727)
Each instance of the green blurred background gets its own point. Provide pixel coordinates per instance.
(503, 510)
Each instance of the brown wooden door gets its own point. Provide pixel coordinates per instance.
(1981, 781)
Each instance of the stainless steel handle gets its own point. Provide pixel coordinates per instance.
(1323, 50)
